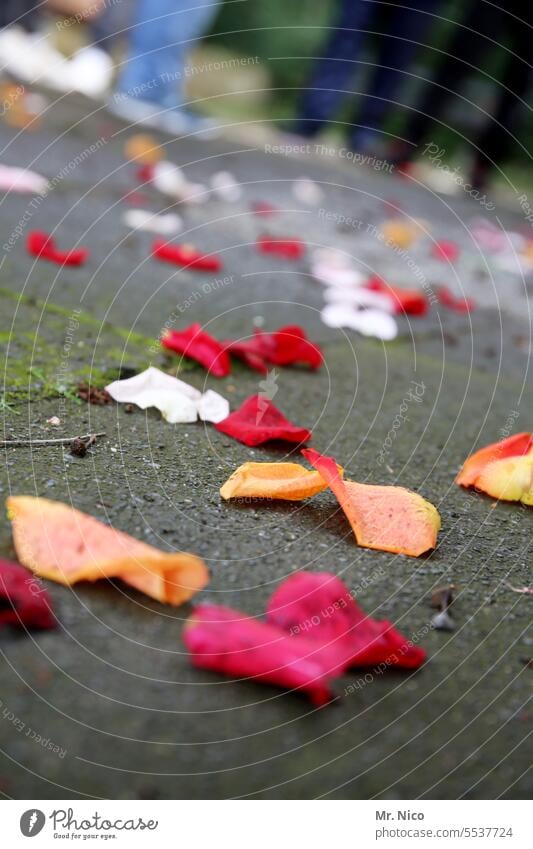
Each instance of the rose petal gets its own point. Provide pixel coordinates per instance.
(175, 399)
(408, 301)
(290, 346)
(286, 346)
(257, 421)
(448, 299)
(503, 470)
(518, 445)
(445, 250)
(23, 599)
(62, 544)
(264, 209)
(43, 246)
(307, 191)
(195, 343)
(185, 256)
(361, 297)
(286, 481)
(318, 606)
(387, 518)
(23, 181)
(370, 322)
(400, 233)
(142, 219)
(292, 249)
(236, 645)
(212, 407)
(226, 187)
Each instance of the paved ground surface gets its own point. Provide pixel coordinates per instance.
(112, 689)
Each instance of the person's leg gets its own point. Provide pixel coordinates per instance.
(404, 30)
(162, 34)
(497, 137)
(331, 73)
(467, 50)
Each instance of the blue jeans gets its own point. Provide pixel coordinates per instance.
(162, 34)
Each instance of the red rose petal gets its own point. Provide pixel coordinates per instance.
(317, 606)
(234, 644)
(195, 343)
(43, 246)
(23, 599)
(445, 250)
(291, 346)
(185, 256)
(145, 173)
(448, 299)
(254, 352)
(264, 209)
(408, 301)
(257, 420)
(286, 346)
(286, 248)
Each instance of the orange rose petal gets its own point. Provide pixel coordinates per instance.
(65, 545)
(518, 445)
(286, 481)
(387, 518)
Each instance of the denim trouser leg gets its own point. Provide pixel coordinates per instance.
(162, 34)
(333, 71)
(398, 44)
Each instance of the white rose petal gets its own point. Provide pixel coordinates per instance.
(212, 407)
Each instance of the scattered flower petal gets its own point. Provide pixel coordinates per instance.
(285, 347)
(318, 607)
(448, 299)
(178, 402)
(143, 148)
(22, 181)
(445, 250)
(170, 180)
(257, 421)
(400, 233)
(307, 191)
(408, 301)
(195, 343)
(62, 544)
(43, 246)
(292, 249)
(212, 407)
(335, 268)
(23, 599)
(236, 645)
(142, 219)
(503, 470)
(369, 322)
(186, 256)
(226, 187)
(285, 481)
(264, 209)
(360, 297)
(387, 518)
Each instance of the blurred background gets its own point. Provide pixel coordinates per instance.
(382, 78)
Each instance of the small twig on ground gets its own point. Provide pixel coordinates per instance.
(62, 440)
